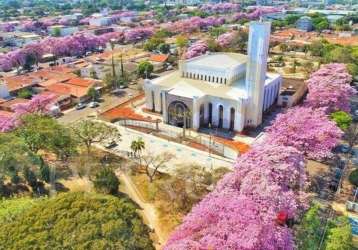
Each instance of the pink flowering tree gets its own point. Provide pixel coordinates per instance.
(7, 123)
(306, 129)
(197, 49)
(226, 40)
(329, 88)
(38, 104)
(137, 34)
(256, 13)
(193, 24)
(241, 212)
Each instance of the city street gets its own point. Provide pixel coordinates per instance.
(109, 101)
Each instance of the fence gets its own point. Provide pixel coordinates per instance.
(141, 124)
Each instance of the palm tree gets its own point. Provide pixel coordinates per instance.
(137, 146)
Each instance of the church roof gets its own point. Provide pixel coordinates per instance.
(190, 88)
(217, 60)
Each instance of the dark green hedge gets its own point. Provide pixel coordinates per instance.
(77, 221)
(353, 177)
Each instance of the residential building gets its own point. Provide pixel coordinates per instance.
(63, 30)
(100, 20)
(223, 90)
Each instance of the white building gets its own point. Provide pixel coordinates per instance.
(63, 30)
(100, 20)
(226, 90)
(4, 91)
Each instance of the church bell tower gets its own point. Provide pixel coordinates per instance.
(258, 46)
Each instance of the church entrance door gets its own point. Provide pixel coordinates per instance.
(179, 114)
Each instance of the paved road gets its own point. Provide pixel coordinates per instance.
(110, 101)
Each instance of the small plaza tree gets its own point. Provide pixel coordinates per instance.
(89, 132)
(152, 163)
(137, 146)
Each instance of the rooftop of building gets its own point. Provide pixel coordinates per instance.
(217, 60)
(191, 88)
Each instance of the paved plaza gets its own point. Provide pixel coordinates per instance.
(184, 155)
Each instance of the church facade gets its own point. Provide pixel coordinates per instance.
(223, 90)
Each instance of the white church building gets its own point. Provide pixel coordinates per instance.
(221, 90)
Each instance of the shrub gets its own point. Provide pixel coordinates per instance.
(77, 221)
(106, 182)
(353, 177)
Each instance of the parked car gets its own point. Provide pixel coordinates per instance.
(111, 144)
(94, 105)
(81, 105)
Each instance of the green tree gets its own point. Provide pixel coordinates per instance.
(42, 133)
(30, 61)
(109, 80)
(162, 33)
(181, 42)
(89, 132)
(98, 221)
(24, 93)
(215, 32)
(342, 119)
(309, 230)
(153, 43)
(93, 74)
(56, 32)
(92, 93)
(15, 157)
(317, 48)
(339, 55)
(145, 69)
(106, 182)
(137, 146)
(164, 48)
(292, 19)
(30, 178)
(339, 235)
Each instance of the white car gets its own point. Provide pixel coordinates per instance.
(94, 105)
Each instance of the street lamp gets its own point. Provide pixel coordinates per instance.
(210, 138)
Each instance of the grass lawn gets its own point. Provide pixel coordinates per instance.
(168, 218)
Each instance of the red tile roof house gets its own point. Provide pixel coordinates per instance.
(77, 88)
(158, 61)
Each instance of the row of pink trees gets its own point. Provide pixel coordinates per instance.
(193, 24)
(329, 88)
(75, 45)
(38, 104)
(244, 210)
(256, 13)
